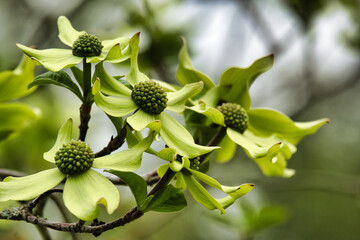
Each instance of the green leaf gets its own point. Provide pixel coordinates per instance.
(14, 117)
(117, 122)
(135, 76)
(136, 183)
(29, 187)
(13, 84)
(187, 74)
(114, 106)
(176, 100)
(200, 194)
(264, 122)
(110, 85)
(177, 137)
(169, 199)
(59, 78)
(213, 114)
(67, 34)
(83, 193)
(127, 160)
(53, 59)
(235, 82)
(64, 136)
(79, 75)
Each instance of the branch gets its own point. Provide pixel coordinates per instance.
(22, 214)
(114, 143)
(85, 110)
(214, 142)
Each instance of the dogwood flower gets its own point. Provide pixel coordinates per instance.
(267, 136)
(82, 45)
(84, 188)
(147, 99)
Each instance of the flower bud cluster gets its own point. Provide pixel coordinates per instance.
(195, 163)
(235, 116)
(87, 45)
(74, 157)
(150, 97)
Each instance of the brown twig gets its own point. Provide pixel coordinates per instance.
(114, 143)
(85, 110)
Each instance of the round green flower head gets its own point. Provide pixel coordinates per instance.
(235, 116)
(150, 97)
(74, 157)
(195, 163)
(87, 45)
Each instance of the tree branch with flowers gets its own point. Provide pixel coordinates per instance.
(217, 119)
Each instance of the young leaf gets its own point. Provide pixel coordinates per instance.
(187, 74)
(235, 82)
(200, 194)
(136, 183)
(60, 78)
(169, 199)
(79, 75)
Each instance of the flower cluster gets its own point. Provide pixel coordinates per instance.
(138, 102)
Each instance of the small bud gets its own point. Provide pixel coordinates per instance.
(195, 163)
(80, 161)
(150, 97)
(87, 45)
(235, 116)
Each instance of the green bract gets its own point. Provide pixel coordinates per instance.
(13, 84)
(55, 59)
(118, 102)
(185, 177)
(84, 190)
(270, 137)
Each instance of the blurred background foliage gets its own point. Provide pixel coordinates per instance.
(317, 67)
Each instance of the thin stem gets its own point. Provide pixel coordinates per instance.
(85, 116)
(164, 181)
(214, 141)
(85, 108)
(87, 78)
(36, 201)
(114, 143)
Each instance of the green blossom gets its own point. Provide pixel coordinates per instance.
(116, 100)
(186, 178)
(84, 190)
(55, 59)
(270, 137)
